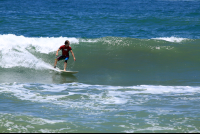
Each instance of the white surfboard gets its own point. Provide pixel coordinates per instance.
(62, 71)
(68, 72)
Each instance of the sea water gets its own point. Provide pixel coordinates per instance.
(138, 63)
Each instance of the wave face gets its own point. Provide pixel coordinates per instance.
(108, 60)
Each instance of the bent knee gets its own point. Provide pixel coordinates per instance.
(66, 59)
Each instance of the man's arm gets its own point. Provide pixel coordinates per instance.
(57, 52)
(73, 55)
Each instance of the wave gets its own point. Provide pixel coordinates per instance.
(107, 52)
(15, 51)
(99, 93)
(171, 39)
(49, 106)
(105, 60)
(29, 52)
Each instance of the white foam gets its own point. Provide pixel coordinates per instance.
(100, 95)
(42, 121)
(30, 119)
(171, 39)
(14, 50)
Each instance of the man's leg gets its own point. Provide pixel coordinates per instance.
(55, 63)
(57, 59)
(65, 66)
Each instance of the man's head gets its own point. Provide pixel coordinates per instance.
(67, 43)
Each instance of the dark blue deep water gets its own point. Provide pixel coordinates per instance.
(101, 18)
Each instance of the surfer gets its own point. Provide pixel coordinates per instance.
(65, 54)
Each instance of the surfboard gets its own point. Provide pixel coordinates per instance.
(62, 71)
(68, 72)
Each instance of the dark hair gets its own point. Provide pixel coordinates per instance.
(66, 42)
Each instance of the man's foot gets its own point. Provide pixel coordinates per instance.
(54, 66)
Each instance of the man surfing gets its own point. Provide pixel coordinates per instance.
(65, 54)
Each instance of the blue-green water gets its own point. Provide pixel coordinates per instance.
(138, 64)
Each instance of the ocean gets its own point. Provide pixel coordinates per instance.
(138, 63)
